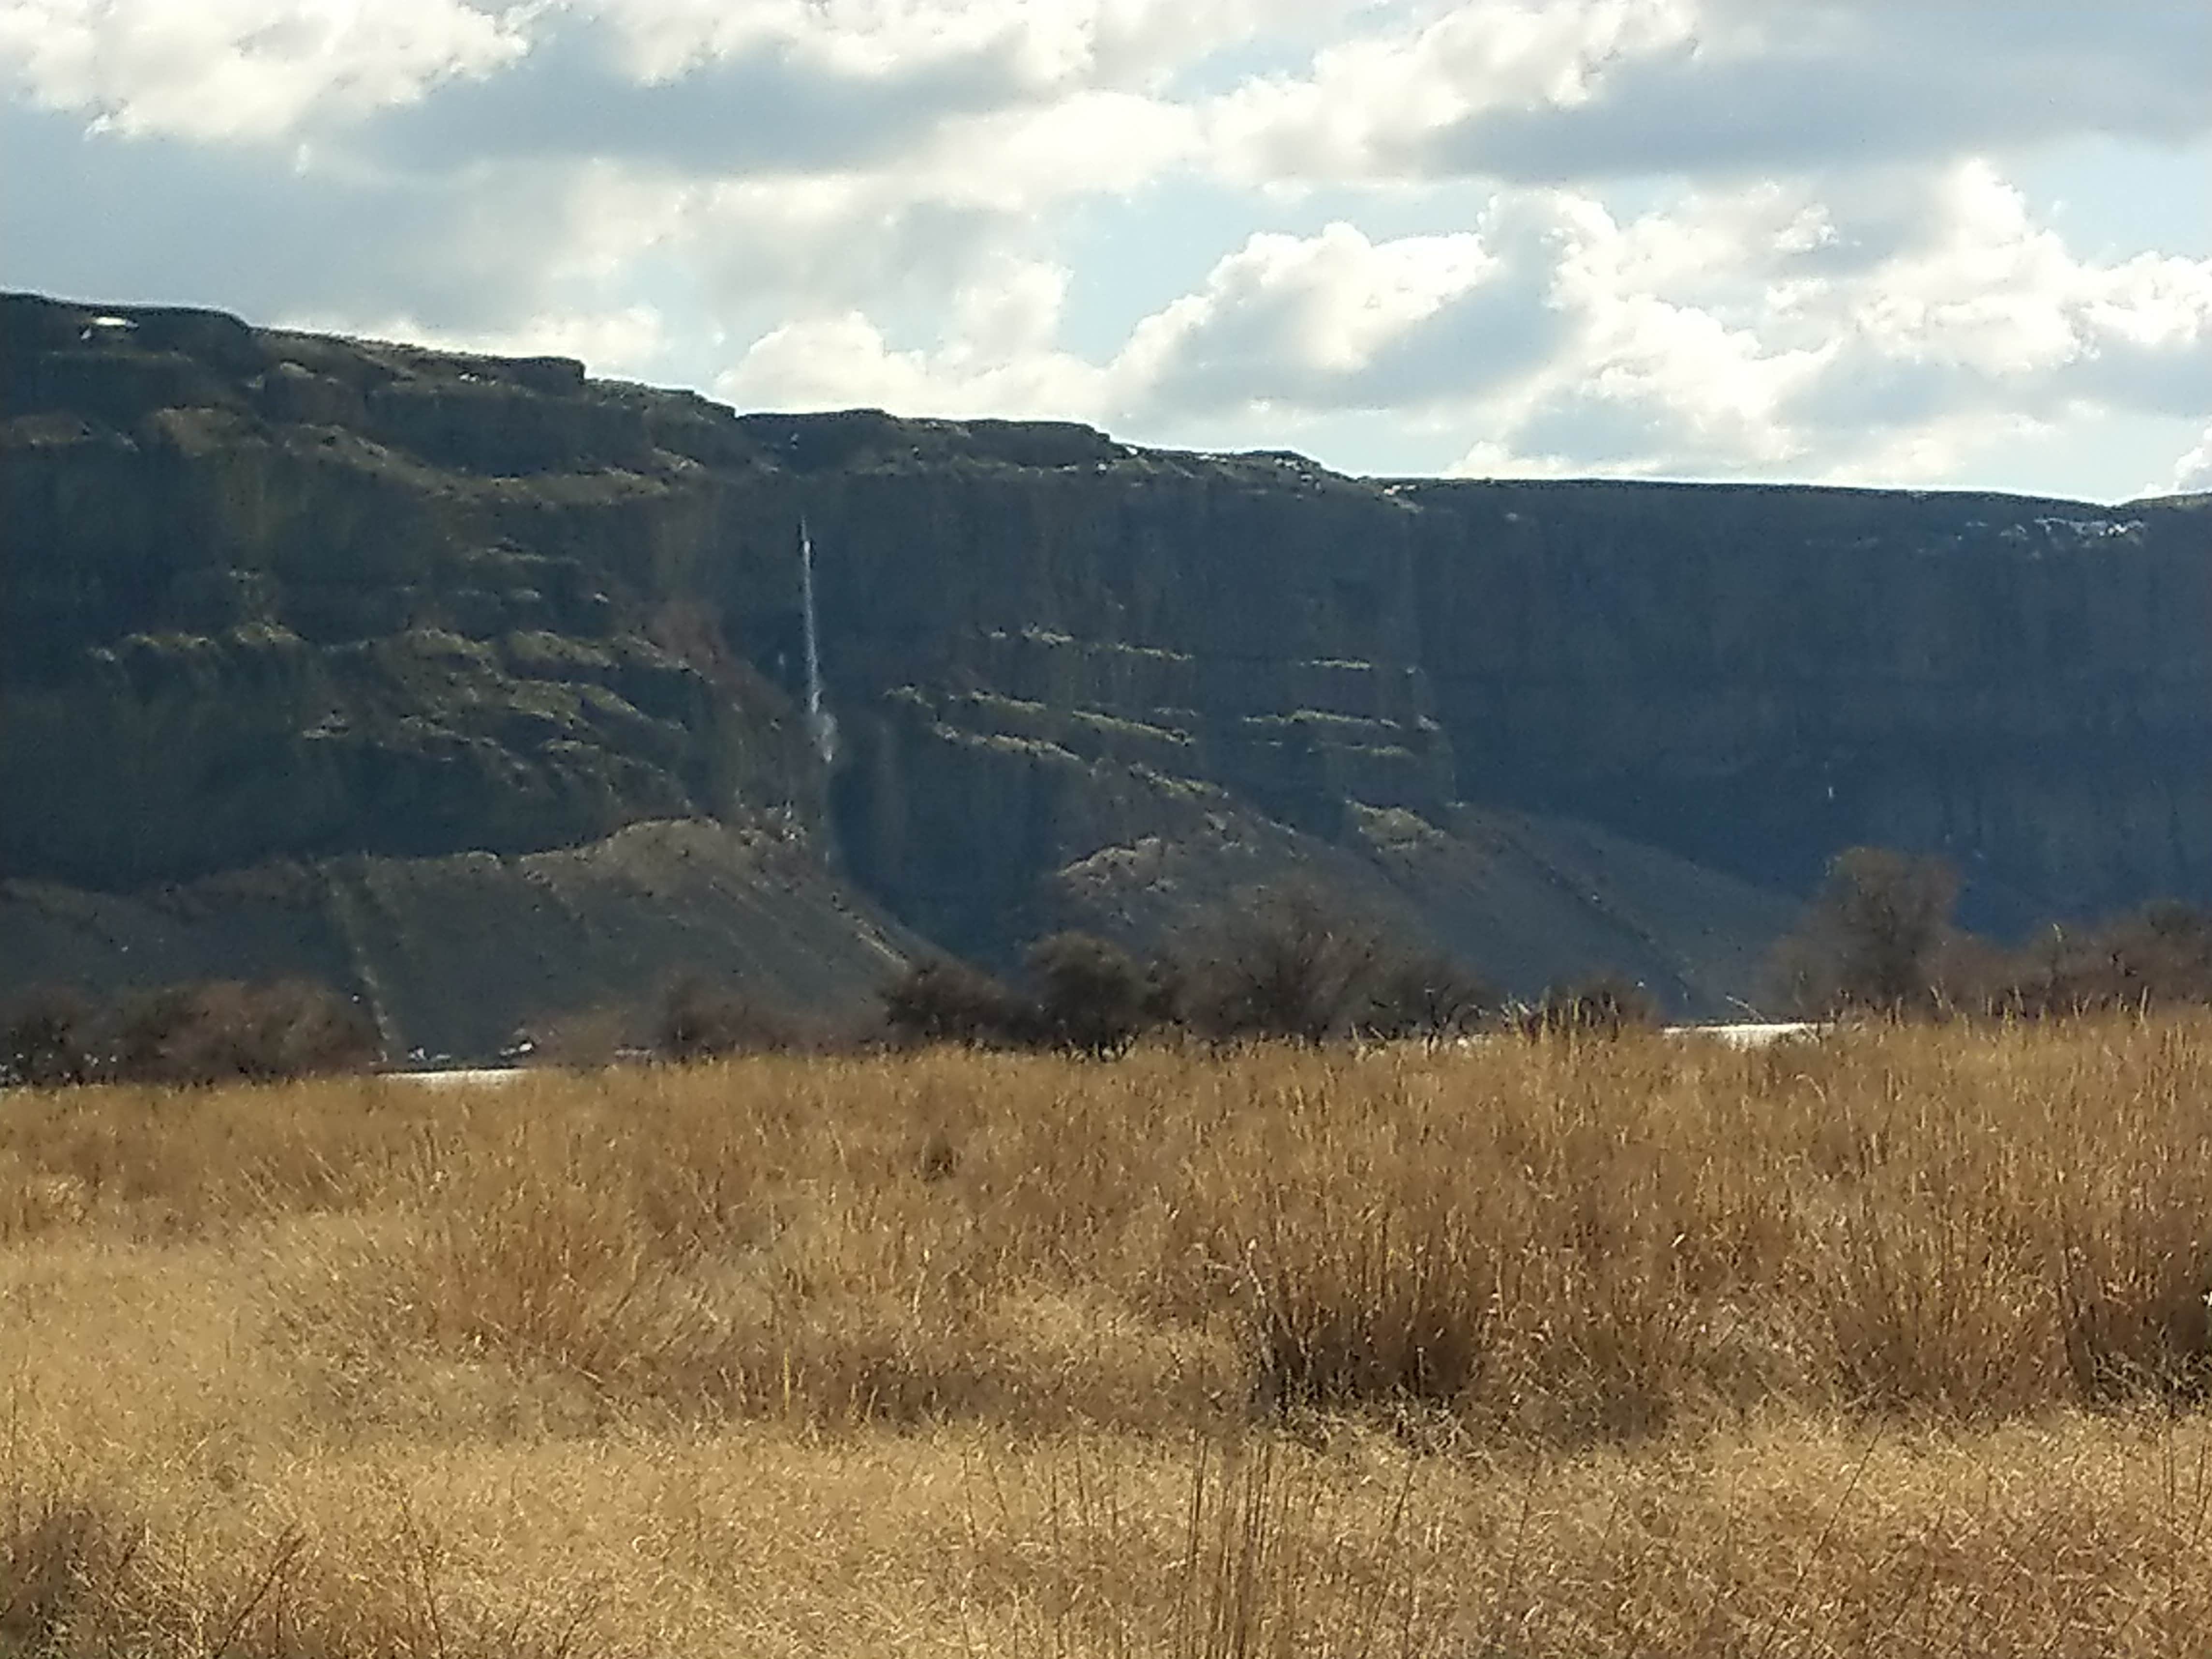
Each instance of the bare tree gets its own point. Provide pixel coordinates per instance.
(939, 1000)
(1873, 935)
(1284, 965)
(1090, 996)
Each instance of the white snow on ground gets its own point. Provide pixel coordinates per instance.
(1737, 1035)
(1750, 1035)
(468, 1078)
(1747, 1034)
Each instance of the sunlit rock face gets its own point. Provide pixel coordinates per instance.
(270, 596)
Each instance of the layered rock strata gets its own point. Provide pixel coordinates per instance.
(279, 600)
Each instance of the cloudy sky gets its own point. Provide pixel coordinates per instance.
(1948, 242)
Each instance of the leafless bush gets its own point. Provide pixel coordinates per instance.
(942, 1001)
(46, 1041)
(701, 1020)
(1879, 938)
(212, 1032)
(224, 1029)
(1284, 967)
(1605, 1007)
(1426, 995)
(2159, 957)
(1091, 997)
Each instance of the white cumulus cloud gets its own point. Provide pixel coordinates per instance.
(1307, 322)
(1578, 89)
(1717, 237)
(2193, 472)
(244, 68)
(996, 356)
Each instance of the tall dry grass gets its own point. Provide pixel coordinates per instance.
(1555, 1347)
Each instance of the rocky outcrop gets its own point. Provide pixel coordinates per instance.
(275, 598)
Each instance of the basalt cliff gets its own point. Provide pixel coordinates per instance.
(482, 688)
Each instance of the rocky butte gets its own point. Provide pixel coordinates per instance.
(479, 687)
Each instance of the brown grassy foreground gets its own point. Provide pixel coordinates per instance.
(1888, 1345)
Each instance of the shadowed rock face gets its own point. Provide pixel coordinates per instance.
(274, 597)
(1757, 676)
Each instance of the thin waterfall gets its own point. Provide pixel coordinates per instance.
(821, 726)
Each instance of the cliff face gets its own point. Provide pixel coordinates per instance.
(1757, 676)
(271, 596)
(1751, 679)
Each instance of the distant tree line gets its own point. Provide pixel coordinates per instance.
(1880, 936)
(212, 1032)
(1283, 966)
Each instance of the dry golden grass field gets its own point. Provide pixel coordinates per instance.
(1891, 1343)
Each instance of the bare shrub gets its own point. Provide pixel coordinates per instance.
(1606, 1006)
(701, 1020)
(1879, 938)
(1427, 995)
(2159, 957)
(1283, 966)
(1878, 944)
(47, 1041)
(943, 1001)
(1091, 997)
(225, 1031)
(1280, 967)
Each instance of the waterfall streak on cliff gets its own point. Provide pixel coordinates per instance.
(821, 728)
